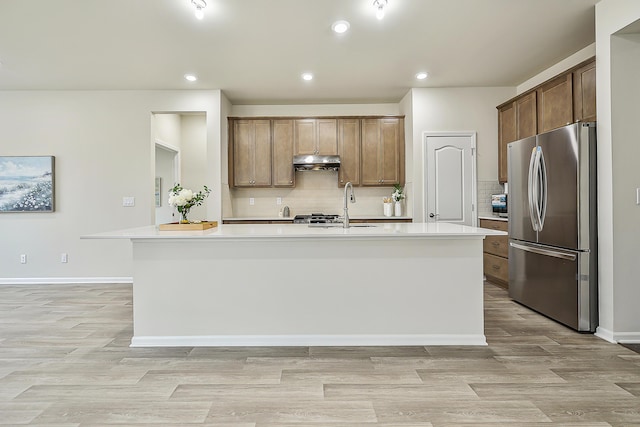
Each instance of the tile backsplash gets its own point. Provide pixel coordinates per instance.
(485, 190)
(315, 191)
(318, 191)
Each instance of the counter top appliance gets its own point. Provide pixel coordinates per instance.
(315, 218)
(553, 224)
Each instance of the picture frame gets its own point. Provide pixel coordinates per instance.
(27, 184)
(158, 192)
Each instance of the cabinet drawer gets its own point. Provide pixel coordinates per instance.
(494, 224)
(497, 245)
(496, 268)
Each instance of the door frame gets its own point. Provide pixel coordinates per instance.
(176, 159)
(161, 145)
(474, 171)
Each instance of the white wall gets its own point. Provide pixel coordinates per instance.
(166, 128)
(314, 110)
(103, 145)
(617, 218)
(193, 158)
(559, 68)
(625, 92)
(455, 109)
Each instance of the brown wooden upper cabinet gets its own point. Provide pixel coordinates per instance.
(283, 173)
(349, 151)
(555, 106)
(564, 99)
(382, 152)
(250, 156)
(584, 93)
(315, 136)
(506, 134)
(516, 120)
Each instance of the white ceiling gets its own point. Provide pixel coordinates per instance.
(256, 50)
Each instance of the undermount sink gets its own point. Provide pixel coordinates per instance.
(337, 225)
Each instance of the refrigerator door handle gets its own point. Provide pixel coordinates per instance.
(542, 189)
(545, 252)
(530, 190)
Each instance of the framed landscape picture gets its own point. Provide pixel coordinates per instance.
(26, 183)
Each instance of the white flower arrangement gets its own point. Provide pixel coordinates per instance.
(184, 199)
(398, 193)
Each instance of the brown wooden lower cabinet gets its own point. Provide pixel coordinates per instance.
(496, 253)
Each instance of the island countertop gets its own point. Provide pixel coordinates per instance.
(296, 285)
(440, 230)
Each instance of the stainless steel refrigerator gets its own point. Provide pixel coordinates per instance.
(553, 224)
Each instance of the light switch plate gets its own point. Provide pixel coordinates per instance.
(252, 201)
(278, 200)
(128, 201)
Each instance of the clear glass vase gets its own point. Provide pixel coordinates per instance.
(183, 216)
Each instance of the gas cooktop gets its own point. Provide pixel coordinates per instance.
(315, 218)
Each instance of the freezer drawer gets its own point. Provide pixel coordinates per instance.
(556, 283)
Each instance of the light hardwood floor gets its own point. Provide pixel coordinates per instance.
(65, 361)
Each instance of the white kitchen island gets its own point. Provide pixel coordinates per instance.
(294, 285)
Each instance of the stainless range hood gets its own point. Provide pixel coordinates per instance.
(316, 162)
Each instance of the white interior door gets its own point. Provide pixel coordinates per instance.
(166, 175)
(450, 178)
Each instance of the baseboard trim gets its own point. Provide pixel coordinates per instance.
(63, 280)
(306, 340)
(605, 334)
(628, 337)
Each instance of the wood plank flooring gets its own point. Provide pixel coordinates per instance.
(65, 361)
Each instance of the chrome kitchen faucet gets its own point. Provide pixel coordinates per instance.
(347, 186)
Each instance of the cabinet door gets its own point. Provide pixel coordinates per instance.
(382, 151)
(555, 103)
(370, 152)
(262, 153)
(506, 134)
(349, 151)
(243, 153)
(304, 136)
(584, 87)
(327, 139)
(392, 148)
(283, 174)
(526, 116)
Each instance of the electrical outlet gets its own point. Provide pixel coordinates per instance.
(128, 201)
(64, 258)
(278, 200)
(23, 258)
(252, 201)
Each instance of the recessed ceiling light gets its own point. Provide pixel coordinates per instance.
(422, 75)
(307, 76)
(340, 27)
(190, 77)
